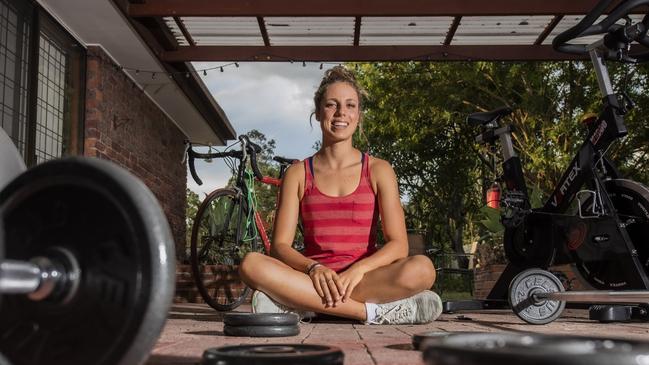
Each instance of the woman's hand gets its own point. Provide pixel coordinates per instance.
(327, 284)
(349, 279)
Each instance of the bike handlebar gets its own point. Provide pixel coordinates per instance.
(250, 148)
(617, 37)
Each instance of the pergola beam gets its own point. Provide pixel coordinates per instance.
(367, 53)
(353, 8)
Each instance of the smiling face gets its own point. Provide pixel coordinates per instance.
(338, 112)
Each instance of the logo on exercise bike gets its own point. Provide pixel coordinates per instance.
(598, 132)
(558, 198)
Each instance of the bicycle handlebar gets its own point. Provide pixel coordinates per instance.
(250, 148)
(618, 37)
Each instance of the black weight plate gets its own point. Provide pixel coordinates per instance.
(261, 319)
(418, 338)
(531, 349)
(523, 304)
(274, 354)
(114, 227)
(261, 331)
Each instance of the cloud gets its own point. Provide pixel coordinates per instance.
(274, 98)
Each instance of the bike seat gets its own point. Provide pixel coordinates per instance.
(483, 118)
(284, 160)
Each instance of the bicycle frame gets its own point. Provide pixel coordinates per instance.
(609, 127)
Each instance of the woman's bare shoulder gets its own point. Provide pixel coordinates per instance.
(380, 167)
(294, 177)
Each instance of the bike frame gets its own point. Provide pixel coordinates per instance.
(583, 168)
(259, 223)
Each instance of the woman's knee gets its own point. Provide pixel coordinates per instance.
(417, 273)
(250, 265)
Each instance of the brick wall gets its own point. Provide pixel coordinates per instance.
(219, 280)
(124, 126)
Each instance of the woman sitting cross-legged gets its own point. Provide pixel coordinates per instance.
(339, 194)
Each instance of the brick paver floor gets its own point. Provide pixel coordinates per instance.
(192, 328)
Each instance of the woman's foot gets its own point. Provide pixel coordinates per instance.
(262, 303)
(420, 308)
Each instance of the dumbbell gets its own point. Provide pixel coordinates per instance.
(537, 296)
(87, 265)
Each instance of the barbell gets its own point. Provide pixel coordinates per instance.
(537, 296)
(87, 265)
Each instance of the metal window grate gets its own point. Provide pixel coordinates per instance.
(14, 55)
(51, 97)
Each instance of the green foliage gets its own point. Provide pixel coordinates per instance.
(191, 208)
(415, 118)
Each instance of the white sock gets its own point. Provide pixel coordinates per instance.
(370, 309)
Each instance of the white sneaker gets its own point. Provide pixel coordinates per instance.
(262, 303)
(420, 308)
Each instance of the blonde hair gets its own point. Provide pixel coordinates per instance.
(338, 74)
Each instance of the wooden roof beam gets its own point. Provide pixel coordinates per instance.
(366, 53)
(353, 8)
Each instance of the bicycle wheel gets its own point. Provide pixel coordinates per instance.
(221, 236)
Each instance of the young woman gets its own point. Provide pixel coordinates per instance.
(339, 193)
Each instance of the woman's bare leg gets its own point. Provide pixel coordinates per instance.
(401, 279)
(291, 287)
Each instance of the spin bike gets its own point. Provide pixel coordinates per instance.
(607, 236)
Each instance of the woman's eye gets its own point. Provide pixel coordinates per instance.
(351, 106)
(330, 105)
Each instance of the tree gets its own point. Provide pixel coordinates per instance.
(415, 118)
(193, 201)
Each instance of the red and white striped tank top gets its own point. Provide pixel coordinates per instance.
(339, 231)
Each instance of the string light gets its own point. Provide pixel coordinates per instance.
(137, 71)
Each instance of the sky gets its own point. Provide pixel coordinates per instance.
(276, 98)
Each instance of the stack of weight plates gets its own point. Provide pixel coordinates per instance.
(261, 324)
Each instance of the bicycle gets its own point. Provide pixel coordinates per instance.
(605, 235)
(227, 225)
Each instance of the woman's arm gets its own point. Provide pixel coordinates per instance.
(393, 221)
(288, 210)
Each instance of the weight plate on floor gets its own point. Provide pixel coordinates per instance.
(523, 303)
(274, 354)
(418, 338)
(261, 331)
(113, 226)
(531, 349)
(261, 319)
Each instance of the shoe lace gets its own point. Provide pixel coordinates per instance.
(397, 313)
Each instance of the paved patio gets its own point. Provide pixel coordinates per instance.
(192, 328)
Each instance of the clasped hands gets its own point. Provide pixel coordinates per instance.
(335, 288)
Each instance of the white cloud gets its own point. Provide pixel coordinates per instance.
(274, 98)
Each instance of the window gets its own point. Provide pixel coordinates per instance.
(42, 83)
